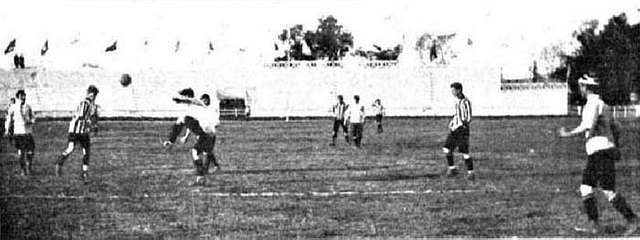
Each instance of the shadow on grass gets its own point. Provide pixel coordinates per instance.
(396, 175)
(611, 230)
(288, 170)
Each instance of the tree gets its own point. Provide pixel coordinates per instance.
(328, 41)
(612, 54)
(381, 54)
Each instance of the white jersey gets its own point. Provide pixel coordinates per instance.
(22, 118)
(207, 116)
(356, 113)
(378, 109)
(597, 118)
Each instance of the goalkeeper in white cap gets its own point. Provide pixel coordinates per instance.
(601, 133)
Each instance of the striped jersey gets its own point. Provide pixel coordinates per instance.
(85, 115)
(21, 116)
(462, 117)
(339, 110)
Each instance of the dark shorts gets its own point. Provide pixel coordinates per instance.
(379, 118)
(601, 170)
(458, 138)
(337, 124)
(24, 142)
(357, 129)
(82, 139)
(205, 143)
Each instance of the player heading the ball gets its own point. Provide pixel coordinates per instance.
(85, 119)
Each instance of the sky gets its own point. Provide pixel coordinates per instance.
(518, 29)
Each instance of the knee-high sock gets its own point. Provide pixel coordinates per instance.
(198, 164)
(212, 159)
(469, 163)
(22, 158)
(85, 159)
(591, 207)
(29, 160)
(620, 204)
(450, 160)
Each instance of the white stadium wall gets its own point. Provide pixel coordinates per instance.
(297, 89)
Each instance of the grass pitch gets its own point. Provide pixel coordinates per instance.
(283, 180)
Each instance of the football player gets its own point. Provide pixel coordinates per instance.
(459, 132)
(201, 120)
(20, 120)
(379, 111)
(339, 110)
(602, 134)
(83, 122)
(356, 116)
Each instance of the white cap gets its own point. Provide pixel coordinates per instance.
(587, 80)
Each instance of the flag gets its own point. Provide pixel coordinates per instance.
(177, 46)
(113, 47)
(44, 48)
(10, 47)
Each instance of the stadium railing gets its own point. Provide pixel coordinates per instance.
(619, 111)
(505, 86)
(626, 111)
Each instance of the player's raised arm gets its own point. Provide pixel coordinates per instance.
(188, 101)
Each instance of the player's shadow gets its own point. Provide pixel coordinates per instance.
(614, 229)
(610, 230)
(396, 175)
(508, 174)
(288, 170)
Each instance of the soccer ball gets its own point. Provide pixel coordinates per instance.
(125, 80)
